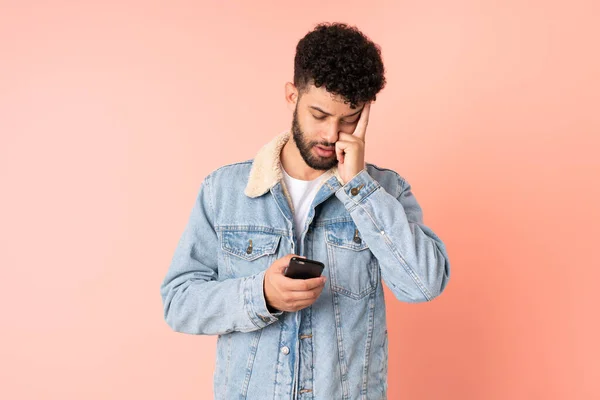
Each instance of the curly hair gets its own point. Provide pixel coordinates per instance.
(341, 58)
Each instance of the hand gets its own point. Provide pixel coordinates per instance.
(350, 148)
(287, 294)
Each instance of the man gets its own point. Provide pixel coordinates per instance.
(310, 193)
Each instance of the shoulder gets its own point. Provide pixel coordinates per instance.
(231, 171)
(391, 180)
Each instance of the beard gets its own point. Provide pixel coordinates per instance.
(314, 161)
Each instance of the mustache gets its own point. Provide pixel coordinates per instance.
(326, 145)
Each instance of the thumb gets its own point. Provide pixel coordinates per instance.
(281, 264)
(279, 268)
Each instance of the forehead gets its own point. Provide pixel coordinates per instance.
(333, 104)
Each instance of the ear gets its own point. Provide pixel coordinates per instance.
(291, 96)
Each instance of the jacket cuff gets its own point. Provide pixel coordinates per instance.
(357, 189)
(255, 303)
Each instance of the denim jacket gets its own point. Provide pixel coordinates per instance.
(366, 231)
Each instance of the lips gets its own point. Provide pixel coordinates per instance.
(325, 151)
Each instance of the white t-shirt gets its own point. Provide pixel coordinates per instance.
(302, 194)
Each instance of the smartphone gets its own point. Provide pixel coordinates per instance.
(303, 268)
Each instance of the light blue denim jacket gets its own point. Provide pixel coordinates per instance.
(366, 231)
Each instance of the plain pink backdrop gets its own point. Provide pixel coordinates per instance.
(111, 114)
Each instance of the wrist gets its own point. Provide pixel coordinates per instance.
(270, 308)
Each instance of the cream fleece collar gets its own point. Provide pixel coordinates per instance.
(266, 168)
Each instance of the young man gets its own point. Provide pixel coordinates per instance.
(308, 192)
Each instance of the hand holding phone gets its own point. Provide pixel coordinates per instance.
(285, 294)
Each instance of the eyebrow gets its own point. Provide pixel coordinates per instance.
(331, 115)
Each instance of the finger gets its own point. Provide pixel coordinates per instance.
(300, 304)
(281, 264)
(361, 127)
(346, 137)
(303, 285)
(305, 295)
(339, 151)
(352, 146)
(347, 140)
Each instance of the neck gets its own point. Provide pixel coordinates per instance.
(294, 164)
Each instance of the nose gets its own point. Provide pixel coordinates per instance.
(331, 132)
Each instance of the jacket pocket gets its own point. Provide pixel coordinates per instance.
(353, 268)
(248, 251)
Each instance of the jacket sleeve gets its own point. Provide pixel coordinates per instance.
(194, 299)
(413, 260)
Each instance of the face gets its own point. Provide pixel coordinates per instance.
(318, 119)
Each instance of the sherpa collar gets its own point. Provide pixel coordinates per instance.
(266, 167)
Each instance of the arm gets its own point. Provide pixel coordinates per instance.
(413, 260)
(194, 300)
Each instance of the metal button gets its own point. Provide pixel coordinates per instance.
(354, 191)
(265, 319)
(285, 350)
(249, 249)
(356, 237)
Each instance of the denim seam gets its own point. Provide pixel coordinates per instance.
(409, 270)
(400, 187)
(340, 339)
(324, 222)
(256, 252)
(363, 198)
(312, 363)
(250, 362)
(368, 344)
(348, 247)
(228, 360)
(210, 200)
(342, 290)
(278, 365)
(232, 165)
(228, 267)
(399, 257)
(274, 196)
(250, 228)
(248, 300)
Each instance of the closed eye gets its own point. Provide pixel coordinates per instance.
(343, 121)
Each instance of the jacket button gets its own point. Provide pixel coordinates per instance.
(285, 350)
(357, 239)
(265, 319)
(354, 191)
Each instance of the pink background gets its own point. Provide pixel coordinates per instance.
(111, 114)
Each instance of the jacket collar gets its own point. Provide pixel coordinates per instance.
(266, 169)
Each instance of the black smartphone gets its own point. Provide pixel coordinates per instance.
(303, 268)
